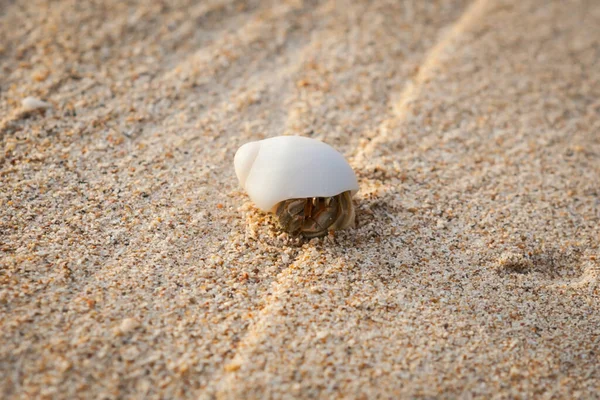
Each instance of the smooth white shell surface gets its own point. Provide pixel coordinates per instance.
(289, 167)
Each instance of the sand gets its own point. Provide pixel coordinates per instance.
(132, 265)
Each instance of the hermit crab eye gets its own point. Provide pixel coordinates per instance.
(291, 168)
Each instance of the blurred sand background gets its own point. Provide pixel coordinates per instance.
(132, 266)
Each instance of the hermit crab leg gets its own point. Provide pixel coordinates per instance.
(308, 208)
(321, 218)
(345, 211)
(290, 215)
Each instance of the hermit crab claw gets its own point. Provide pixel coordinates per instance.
(306, 183)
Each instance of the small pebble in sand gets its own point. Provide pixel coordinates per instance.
(32, 103)
(128, 325)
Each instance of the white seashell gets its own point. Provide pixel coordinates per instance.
(31, 103)
(289, 167)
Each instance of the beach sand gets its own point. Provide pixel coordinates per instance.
(133, 266)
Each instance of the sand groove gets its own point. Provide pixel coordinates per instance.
(426, 71)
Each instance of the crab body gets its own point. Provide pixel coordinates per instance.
(314, 217)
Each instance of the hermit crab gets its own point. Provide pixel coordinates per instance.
(306, 183)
